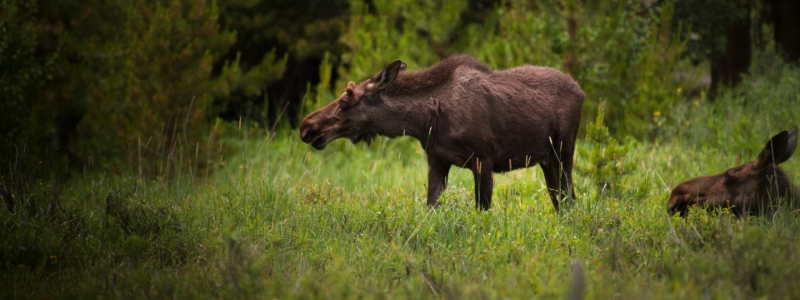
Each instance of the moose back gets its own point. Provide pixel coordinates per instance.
(467, 115)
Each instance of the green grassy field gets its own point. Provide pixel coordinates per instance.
(279, 220)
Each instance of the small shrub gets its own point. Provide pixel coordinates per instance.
(605, 160)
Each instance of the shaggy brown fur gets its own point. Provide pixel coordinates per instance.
(467, 115)
(435, 76)
(758, 186)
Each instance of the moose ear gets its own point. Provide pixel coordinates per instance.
(791, 144)
(386, 76)
(778, 148)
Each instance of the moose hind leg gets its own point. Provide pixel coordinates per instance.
(567, 162)
(558, 176)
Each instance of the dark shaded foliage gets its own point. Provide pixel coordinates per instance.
(23, 73)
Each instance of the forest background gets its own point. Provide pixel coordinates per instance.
(86, 79)
(148, 149)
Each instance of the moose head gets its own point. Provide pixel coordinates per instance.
(355, 114)
(755, 186)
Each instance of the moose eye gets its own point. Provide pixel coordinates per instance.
(343, 105)
(726, 178)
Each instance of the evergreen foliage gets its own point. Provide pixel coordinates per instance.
(304, 30)
(605, 160)
(704, 23)
(23, 73)
(156, 78)
(416, 32)
(303, 33)
(131, 71)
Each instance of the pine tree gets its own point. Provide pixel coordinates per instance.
(154, 80)
(605, 160)
(22, 74)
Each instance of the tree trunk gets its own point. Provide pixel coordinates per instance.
(569, 58)
(787, 28)
(727, 70)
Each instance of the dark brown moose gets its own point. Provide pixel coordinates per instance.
(464, 114)
(754, 187)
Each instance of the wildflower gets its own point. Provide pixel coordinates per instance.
(696, 103)
(241, 167)
(679, 90)
(657, 113)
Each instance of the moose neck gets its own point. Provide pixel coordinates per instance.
(405, 114)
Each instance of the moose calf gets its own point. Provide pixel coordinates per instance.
(757, 186)
(464, 114)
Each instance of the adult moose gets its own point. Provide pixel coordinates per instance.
(464, 114)
(758, 186)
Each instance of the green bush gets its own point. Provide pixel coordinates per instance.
(605, 160)
(741, 120)
(23, 74)
(158, 85)
(126, 73)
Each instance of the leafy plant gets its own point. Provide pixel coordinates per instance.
(604, 160)
(157, 82)
(23, 73)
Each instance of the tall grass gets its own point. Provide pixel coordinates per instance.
(281, 220)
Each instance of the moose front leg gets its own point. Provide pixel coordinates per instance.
(437, 182)
(483, 184)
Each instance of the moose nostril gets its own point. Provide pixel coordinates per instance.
(306, 135)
